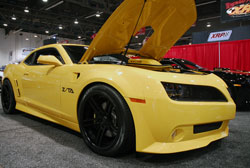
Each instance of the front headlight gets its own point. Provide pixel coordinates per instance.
(183, 92)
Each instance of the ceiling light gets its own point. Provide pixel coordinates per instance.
(97, 14)
(27, 39)
(60, 27)
(76, 21)
(45, 0)
(209, 24)
(35, 36)
(47, 32)
(139, 43)
(26, 9)
(13, 17)
(54, 37)
(79, 37)
(5, 24)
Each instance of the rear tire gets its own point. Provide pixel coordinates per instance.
(106, 122)
(8, 98)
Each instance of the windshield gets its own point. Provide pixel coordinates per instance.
(109, 59)
(75, 52)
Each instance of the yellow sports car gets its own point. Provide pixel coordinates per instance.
(120, 104)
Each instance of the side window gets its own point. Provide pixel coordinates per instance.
(29, 60)
(32, 60)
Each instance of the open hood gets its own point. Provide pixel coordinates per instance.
(169, 19)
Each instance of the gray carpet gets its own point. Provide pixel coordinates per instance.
(26, 141)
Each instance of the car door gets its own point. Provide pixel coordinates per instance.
(41, 84)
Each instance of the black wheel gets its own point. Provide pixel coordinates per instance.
(106, 122)
(8, 98)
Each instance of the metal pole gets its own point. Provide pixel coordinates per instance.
(219, 53)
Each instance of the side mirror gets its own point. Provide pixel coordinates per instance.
(49, 60)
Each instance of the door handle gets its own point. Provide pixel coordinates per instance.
(26, 73)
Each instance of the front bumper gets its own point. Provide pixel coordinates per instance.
(166, 126)
(185, 145)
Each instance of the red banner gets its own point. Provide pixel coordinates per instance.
(233, 54)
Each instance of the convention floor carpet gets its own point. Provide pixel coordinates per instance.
(27, 141)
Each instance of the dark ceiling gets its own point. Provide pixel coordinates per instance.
(50, 15)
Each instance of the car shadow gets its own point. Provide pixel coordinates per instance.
(73, 139)
(179, 157)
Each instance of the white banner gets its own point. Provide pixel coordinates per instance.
(219, 36)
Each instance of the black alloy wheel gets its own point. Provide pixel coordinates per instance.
(106, 122)
(8, 98)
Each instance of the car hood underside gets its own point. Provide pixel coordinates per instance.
(169, 19)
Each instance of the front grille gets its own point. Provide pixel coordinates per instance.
(206, 127)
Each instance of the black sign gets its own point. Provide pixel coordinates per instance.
(235, 9)
(238, 33)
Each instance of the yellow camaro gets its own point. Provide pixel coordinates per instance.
(118, 103)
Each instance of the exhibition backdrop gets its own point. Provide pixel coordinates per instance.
(233, 54)
(235, 10)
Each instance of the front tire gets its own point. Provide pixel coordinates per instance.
(8, 98)
(106, 122)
